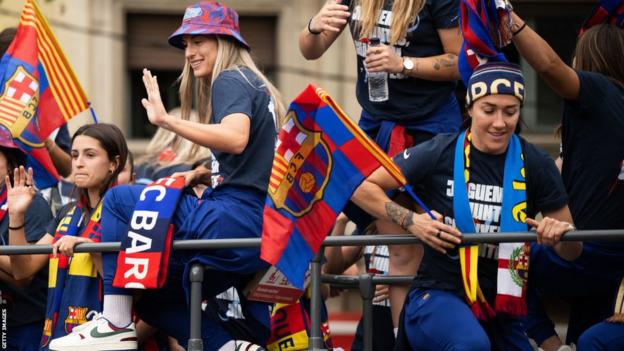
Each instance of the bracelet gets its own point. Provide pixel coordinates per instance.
(519, 30)
(18, 227)
(310, 29)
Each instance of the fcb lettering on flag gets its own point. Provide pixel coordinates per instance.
(321, 158)
(38, 91)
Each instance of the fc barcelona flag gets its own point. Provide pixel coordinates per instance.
(38, 91)
(321, 158)
(485, 26)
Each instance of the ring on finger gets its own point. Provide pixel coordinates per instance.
(439, 233)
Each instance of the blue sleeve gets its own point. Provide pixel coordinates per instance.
(63, 140)
(230, 94)
(418, 161)
(445, 13)
(545, 187)
(38, 215)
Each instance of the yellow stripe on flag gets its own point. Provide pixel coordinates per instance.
(64, 85)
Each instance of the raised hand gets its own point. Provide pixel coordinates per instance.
(153, 105)
(21, 193)
(332, 17)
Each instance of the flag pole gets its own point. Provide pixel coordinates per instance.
(92, 110)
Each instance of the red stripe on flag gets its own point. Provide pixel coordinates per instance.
(276, 230)
(365, 162)
(312, 229)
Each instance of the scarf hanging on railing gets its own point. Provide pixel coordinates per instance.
(513, 265)
(485, 26)
(144, 256)
(605, 11)
(74, 288)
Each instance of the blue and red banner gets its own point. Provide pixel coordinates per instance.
(321, 158)
(605, 11)
(38, 91)
(485, 26)
(144, 256)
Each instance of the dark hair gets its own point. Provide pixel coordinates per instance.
(6, 37)
(600, 49)
(113, 142)
(14, 158)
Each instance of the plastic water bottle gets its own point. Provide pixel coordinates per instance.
(377, 81)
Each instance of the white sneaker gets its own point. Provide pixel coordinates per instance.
(97, 335)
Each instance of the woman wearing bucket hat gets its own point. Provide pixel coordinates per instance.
(239, 112)
(484, 180)
(23, 299)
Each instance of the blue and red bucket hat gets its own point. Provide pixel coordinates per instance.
(208, 18)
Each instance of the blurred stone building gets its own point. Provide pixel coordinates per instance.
(108, 42)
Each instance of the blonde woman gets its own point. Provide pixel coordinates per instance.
(168, 153)
(420, 41)
(239, 110)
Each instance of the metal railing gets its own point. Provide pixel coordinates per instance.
(364, 282)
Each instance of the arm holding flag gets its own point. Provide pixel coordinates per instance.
(561, 77)
(371, 197)
(60, 159)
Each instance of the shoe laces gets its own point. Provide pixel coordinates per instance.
(95, 316)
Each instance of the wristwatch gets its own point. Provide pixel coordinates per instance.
(408, 65)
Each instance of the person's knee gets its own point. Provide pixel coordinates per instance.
(474, 342)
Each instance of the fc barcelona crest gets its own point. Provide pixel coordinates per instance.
(519, 265)
(19, 101)
(301, 168)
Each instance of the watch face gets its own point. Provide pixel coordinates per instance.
(408, 64)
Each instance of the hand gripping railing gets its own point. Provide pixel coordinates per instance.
(365, 282)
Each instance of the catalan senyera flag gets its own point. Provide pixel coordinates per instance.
(320, 159)
(38, 91)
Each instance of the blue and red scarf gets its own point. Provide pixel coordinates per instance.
(485, 26)
(144, 257)
(513, 258)
(76, 275)
(3, 203)
(605, 11)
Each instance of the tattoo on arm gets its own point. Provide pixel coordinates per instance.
(448, 62)
(399, 215)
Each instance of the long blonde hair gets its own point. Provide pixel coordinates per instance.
(230, 56)
(404, 13)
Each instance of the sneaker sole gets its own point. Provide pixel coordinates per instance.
(119, 346)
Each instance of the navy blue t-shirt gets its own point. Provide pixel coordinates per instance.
(27, 305)
(409, 98)
(430, 165)
(593, 153)
(241, 91)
